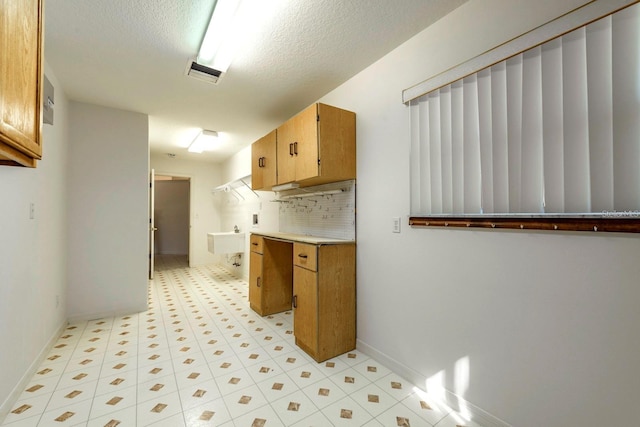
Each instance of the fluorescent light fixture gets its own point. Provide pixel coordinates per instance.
(204, 141)
(218, 33)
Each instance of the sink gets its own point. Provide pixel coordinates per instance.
(225, 243)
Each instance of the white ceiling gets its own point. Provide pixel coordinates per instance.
(132, 55)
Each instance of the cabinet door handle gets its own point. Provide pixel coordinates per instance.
(261, 162)
(264, 162)
(295, 301)
(305, 256)
(295, 148)
(259, 281)
(291, 149)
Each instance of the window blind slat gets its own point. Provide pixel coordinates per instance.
(435, 155)
(414, 158)
(457, 181)
(446, 149)
(499, 134)
(532, 165)
(599, 82)
(425, 157)
(514, 130)
(626, 109)
(485, 124)
(471, 147)
(576, 122)
(553, 129)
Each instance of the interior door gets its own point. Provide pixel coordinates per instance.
(152, 225)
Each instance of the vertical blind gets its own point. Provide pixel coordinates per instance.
(552, 130)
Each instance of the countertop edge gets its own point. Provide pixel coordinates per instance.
(302, 238)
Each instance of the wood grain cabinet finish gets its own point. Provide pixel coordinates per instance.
(21, 85)
(270, 275)
(324, 299)
(315, 147)
(263, 162)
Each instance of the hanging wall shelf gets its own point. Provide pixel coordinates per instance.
(233, 187)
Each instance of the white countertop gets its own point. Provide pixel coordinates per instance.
(303, 238)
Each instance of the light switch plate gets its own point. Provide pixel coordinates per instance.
(396, 224)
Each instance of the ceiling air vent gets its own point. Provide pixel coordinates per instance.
(202, 72)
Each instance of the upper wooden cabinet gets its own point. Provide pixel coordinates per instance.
(263, 162)
(317, 146)
(21, 82)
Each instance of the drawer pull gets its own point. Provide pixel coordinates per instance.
(305, 256)
(254, 244)
(295, 301)
(259, 282)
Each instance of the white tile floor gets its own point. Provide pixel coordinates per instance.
(201, 357)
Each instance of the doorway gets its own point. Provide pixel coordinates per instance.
(171, 216)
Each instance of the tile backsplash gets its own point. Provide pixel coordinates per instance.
(327, 210)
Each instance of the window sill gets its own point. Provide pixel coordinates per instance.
(627, 224)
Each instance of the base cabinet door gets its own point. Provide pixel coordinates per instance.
(305, 309)
(324, 297)
(255, 281)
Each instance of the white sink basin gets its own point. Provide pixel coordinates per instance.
(225, 243)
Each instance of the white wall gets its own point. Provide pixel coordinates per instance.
(547, 320)
(236, 211)
(33, 276)
(204, 216)
(171, 216)
(108, 211)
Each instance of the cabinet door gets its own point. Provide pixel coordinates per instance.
(21, 81)
(263, 162)
(298, 147)
(305, 312)
(286, 157)
(306, 144)
(255, 282)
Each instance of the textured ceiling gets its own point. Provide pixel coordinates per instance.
(132, 55)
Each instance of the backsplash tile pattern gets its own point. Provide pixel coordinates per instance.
(330, 215)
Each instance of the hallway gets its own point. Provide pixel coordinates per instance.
(201, 357)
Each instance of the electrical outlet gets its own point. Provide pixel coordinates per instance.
(396, 224)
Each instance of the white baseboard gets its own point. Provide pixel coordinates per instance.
(452, 400)
(115, 313)
(29, 373)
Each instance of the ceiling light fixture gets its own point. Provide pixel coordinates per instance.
(204, 141)
(213, 52)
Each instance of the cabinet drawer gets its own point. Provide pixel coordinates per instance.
(257, 244)
(306, 256)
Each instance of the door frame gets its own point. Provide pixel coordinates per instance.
(191, 207)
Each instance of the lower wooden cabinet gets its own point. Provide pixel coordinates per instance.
(319, 280)
(270, 275)
(324, 299)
